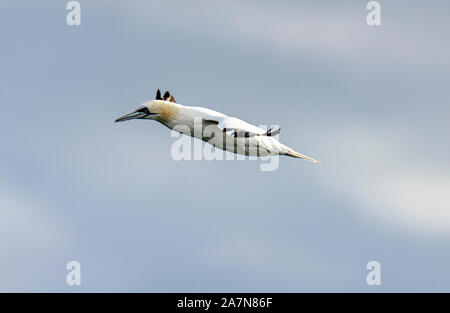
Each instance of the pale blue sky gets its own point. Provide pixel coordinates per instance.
(371, 102)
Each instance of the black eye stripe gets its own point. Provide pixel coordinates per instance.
(144, 110)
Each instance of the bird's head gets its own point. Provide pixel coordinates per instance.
(158, 109)
(148, 111)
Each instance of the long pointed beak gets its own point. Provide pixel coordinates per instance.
(130, 116)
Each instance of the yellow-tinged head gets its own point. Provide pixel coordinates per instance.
(162, 109)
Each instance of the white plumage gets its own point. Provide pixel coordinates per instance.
(221, 131)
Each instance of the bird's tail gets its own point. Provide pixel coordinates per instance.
(295, 154)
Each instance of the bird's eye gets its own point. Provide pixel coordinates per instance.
(144, 110)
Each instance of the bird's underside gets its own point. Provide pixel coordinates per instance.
(239, 142)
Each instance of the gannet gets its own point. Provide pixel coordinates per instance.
(222, 131)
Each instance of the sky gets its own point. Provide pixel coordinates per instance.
(372, 102)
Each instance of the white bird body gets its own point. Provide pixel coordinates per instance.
(221, 131)
(217, 122)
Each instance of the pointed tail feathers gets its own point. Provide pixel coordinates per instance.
(294, 154)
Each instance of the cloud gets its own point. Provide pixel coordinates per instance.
(30, 235)
(389, 183)
(27, 220)
(338, 33)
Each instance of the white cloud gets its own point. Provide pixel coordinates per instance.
(25, 219)
(390, 184)
(340, 32)
(30, 240)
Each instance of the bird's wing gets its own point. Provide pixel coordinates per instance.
(238, 128)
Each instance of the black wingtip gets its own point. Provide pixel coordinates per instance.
(166, 95)
(158, 95)
(272, 132)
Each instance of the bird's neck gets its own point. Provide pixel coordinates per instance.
(181, 115)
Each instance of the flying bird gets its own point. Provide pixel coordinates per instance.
(223, 132)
